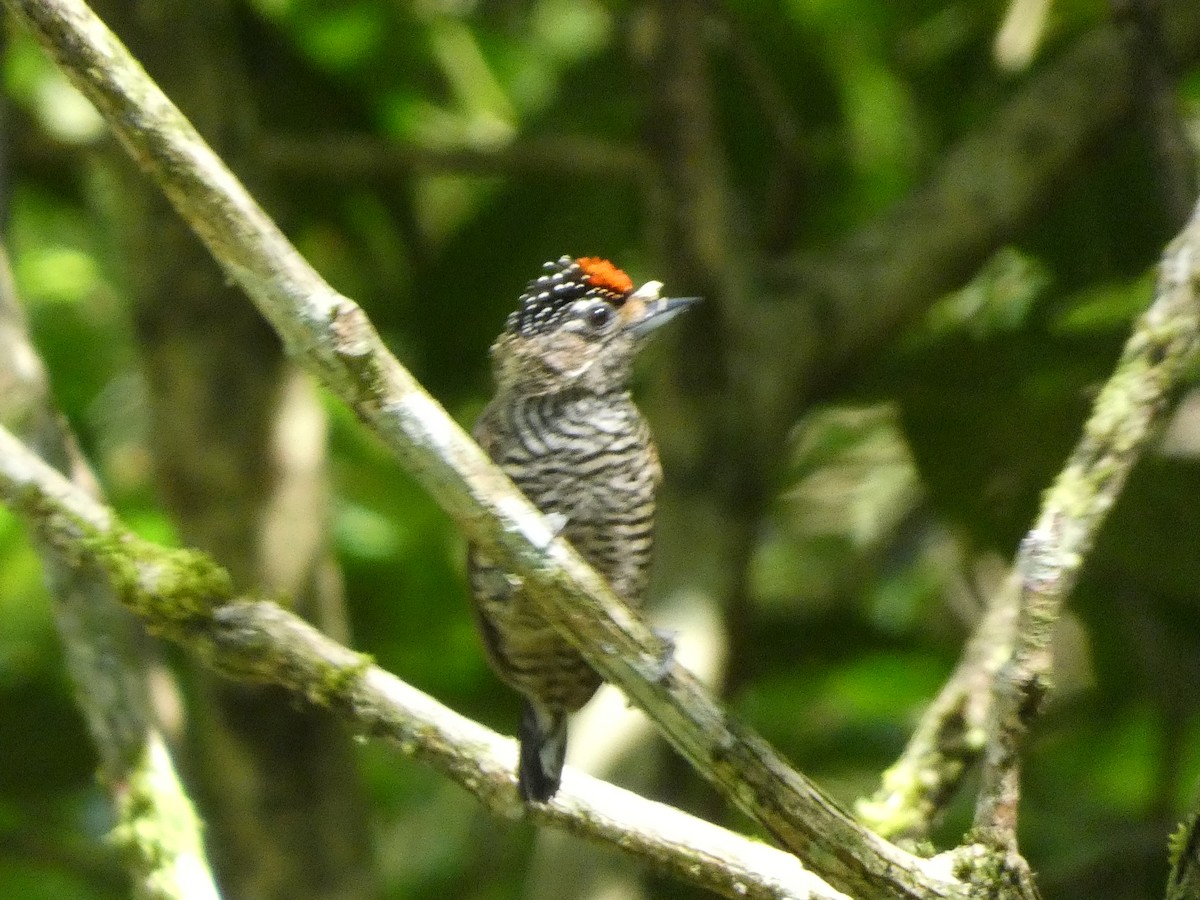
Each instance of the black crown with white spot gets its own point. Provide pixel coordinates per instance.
(548, 297)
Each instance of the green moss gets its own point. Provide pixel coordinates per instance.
(901, 812)
(159, 832)
(979, 862)
(164, 587)
(1177, 843)
(335, 682)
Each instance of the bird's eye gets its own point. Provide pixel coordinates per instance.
(598, 315)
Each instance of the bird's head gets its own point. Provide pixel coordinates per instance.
(579, 326)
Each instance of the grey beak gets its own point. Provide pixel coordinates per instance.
(660, 311)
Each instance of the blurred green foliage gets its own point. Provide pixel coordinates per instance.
(899, 491)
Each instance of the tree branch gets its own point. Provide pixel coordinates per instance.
(157, 828)
(332, 337)
(1153, 364)
(950, 735)
(188, 598)
(1184, 846)
(278, 789)
(1026, 147)
(997, 687)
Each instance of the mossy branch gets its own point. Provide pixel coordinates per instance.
(986, 707)
(1003, 675)
(950, 736)
(186, 597)
(157, 828)
(1157, 357)
(1183, 850)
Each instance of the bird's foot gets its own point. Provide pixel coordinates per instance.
(557, 522)
(666, 657)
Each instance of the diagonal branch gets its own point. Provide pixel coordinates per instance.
(996, 690)
(1153, 364)
(105, 653)
(186, 597)
(333, 339)
(990, 183)
(950, 736)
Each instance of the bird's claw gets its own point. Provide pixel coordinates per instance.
(557, 522)
(666, 657)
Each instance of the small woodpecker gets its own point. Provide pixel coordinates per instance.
(563, 427)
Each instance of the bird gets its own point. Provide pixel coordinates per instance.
(563, 426)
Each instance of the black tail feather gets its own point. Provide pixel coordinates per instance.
(543, 735)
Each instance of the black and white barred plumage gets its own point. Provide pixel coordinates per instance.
(563, 426)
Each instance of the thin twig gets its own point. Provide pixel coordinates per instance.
(879, 267)
(698, 216)
(1184, 850)
(331, 336)
(950, 736)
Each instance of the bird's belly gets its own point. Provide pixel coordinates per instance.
(537, 660)
(597, 473)
(607, 515)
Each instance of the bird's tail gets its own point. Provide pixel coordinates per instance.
(543, 735)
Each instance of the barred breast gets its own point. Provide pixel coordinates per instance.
(591, 460)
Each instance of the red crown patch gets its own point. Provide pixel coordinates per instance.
(603, 274)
